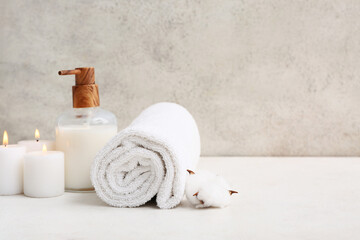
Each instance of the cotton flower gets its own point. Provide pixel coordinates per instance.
(206, 189)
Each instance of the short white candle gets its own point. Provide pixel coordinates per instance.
(44, 174)
(37, 144)
(11, 167)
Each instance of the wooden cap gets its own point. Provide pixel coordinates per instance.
(85, 91)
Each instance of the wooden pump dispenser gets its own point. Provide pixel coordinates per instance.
(85, 92)
(83, 130)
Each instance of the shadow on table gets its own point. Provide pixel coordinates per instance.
(91, 199)
(87, 198)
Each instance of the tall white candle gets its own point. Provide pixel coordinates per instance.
(11, 167)
(44, 174)
(37, 144)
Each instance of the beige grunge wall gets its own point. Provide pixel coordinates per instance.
(261, 77)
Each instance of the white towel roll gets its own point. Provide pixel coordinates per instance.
(147, 158)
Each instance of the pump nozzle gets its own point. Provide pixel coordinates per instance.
(69, 72)
(85, 91)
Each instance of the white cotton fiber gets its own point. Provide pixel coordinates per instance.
(206, 189)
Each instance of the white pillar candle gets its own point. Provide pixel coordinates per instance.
(37, 144)
(44, 174)
(11, 167)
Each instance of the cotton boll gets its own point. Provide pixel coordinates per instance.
(205, 189)
(215, 193)
(193, 184)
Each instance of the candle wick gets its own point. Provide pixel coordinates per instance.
(37, 140)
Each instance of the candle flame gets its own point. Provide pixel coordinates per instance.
(37, 134)
(44, 149)
(5, 139)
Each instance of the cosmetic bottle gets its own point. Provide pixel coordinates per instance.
(83, 130)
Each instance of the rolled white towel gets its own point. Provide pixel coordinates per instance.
(147, 158)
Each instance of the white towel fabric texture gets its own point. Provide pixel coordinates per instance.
(148, 158)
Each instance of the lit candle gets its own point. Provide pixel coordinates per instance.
(11, 167)
(44, 173)
(36, 145)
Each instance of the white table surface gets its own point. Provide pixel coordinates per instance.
(279, 198)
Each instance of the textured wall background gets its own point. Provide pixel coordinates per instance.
(261, 77)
